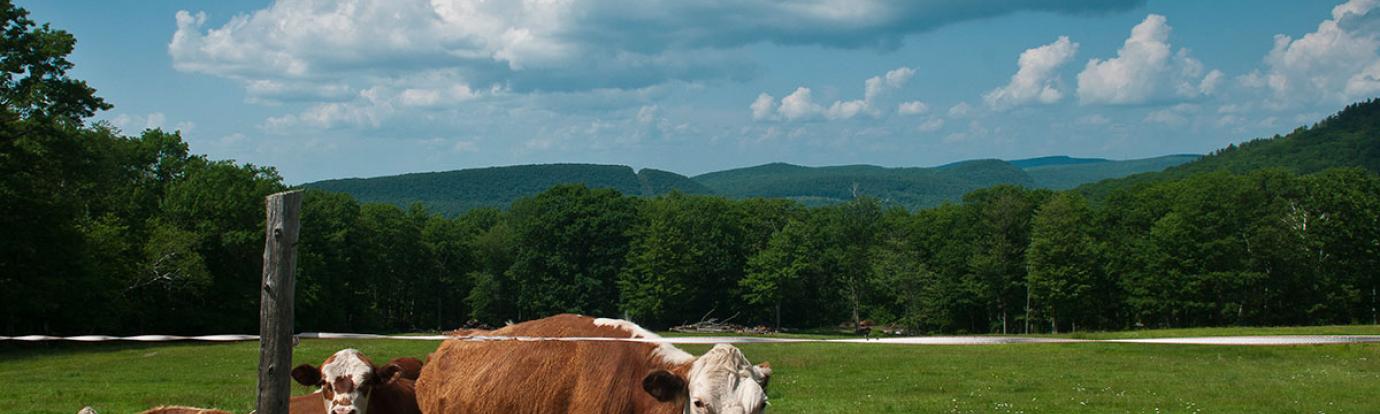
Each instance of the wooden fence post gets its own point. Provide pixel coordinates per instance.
(275, 305)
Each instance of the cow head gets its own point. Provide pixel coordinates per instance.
(721, 381)
(346, 380)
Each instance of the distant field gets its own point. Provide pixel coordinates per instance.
(815, 378)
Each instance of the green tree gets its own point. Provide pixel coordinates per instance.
(775, 273)
(43, 164)
(1340, 216)
(491, 298)
(851, 230)
(572, 242)
(1002, 220)
(1065, 276)
(685, 259)
(329, 278)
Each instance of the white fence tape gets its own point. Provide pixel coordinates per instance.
(1272, 340)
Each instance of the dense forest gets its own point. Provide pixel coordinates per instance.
(111, 233)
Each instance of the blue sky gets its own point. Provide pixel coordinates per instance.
(331, 89)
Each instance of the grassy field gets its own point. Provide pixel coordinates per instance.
(815, 378)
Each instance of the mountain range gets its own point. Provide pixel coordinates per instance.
(453, 192)
(1350, 138)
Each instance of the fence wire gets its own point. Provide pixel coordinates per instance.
(1263, 340)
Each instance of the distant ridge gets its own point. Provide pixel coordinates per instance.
(910, 187)
(454, 192)
(1056, 176)
(1054, 160)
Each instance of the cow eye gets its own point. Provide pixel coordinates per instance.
(699, 404)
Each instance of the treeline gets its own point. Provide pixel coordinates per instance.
(107, 233)
(1266, 248)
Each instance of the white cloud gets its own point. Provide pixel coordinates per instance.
(764, 107)
(875, 86)
(647, 114)
(960, 110)
(314, 51)
(1210, 82)
(912, 108)
(799, 105)
(270, 91)
(1037, 79)
(1145, 69)
(931, 125)
(1336, 63)
(844, 109)
(543, 45)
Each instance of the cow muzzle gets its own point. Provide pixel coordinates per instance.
(344, 409)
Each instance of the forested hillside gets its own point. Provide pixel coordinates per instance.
(1054, 160)
(1069, 175)
(910, 187)
(453, 192)
(1350, 138)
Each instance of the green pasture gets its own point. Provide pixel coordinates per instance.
(813, 378)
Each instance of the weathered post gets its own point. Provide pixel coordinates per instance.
(275, 303)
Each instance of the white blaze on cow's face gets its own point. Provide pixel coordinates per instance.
(346, 380)
(722, 381)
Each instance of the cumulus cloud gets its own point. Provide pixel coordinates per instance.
(875, 86)
(763, 107)
(800, 105)
(1336, 63)
(912, 108)
(1037, 79)
(594, 43)
(1145, 69)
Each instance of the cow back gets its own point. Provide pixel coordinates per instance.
(544, 376)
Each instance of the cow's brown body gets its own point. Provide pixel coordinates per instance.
(411, 368)
(307, 404)
(177, 409)
(546, 376)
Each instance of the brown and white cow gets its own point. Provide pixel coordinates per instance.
(587, 376)
(177, 409)
(351, 384)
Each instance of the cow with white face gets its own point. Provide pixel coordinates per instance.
(722, 381)
(351, 384)
(596, 376)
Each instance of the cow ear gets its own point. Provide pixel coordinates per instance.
(387, 374)
(663, 385)
(764, 372)
(307, 375)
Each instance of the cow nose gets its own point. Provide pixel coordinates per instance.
(345, 410)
